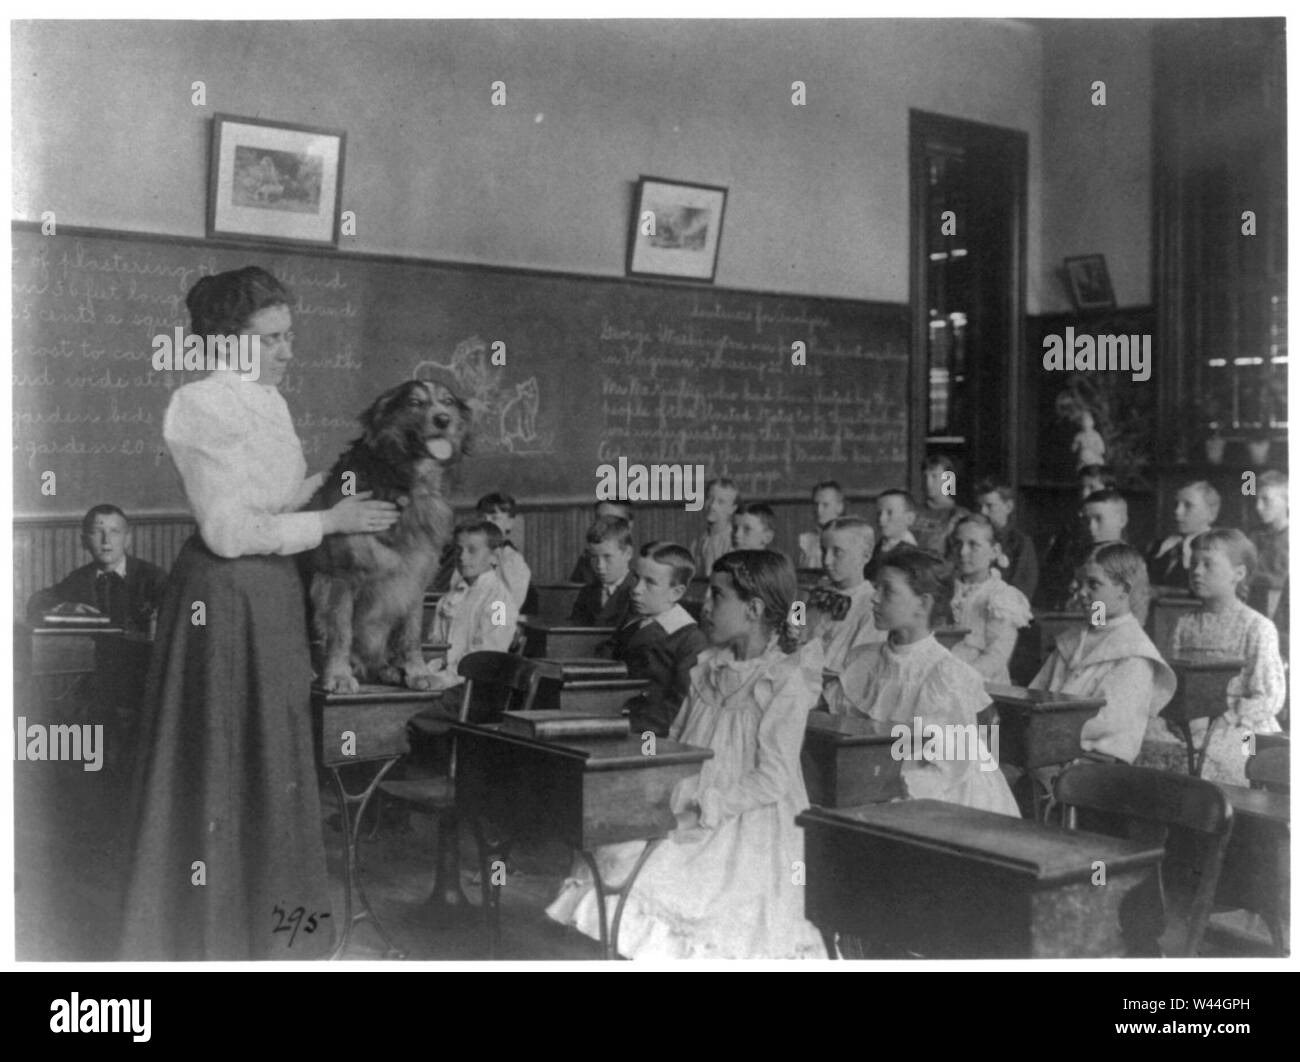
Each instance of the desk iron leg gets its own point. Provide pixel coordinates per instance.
(489, 854)
(351, 822)
(608, 936)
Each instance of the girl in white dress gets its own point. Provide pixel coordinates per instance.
(912, 680)
(1222, 562)
(723, 885)
(993, 610)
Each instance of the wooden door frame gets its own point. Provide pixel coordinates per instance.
(1013, 145)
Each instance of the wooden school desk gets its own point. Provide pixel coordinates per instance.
(1202, 693)
(560, 640)
(584, 793)
(1038, 728)
(848, 760)
(376, 718)
(1256, 872)
(947, 881)
(592, 685)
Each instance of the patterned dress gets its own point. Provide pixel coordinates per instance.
(1255, 696)
(994, 611)
(724, 888)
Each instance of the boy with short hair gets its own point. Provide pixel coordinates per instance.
(661, 641)
(479, 613)
(753, 526)
(1269, 584)
(606, 601)
(582, 571)
(722, 496)
(828, 503)
(997, 501)
(513, 570)
(1105, 515)
(843, 616)
(895, 515)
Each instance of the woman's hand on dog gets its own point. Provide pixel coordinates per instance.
(356, 514)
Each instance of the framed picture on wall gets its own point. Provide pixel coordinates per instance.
(275, 181)
(1089, 282)
(676, 229)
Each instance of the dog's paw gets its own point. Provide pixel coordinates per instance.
(340, 683)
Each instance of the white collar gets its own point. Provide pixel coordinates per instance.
(671, 620)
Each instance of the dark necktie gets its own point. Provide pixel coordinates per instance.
(106, 591)
(831, 602)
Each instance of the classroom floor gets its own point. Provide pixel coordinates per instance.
(68, 864)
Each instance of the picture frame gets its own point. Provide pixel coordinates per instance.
(1089, 282)
(682, 243)
(275, 182)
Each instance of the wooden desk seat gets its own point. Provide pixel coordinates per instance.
(925, 877)
(1038, 728)
(589, 684)
(847, 761)
(1202, 693)
(555, 601)
(556, 640)
(950, 636)
(1166, 608)
(1256, 873)
(1050, 624)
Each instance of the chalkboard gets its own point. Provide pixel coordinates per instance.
(594, 369)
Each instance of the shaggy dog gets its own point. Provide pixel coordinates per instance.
(367, 590)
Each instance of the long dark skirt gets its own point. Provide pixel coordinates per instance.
(225, 773)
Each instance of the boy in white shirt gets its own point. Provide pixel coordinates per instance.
(480, 613)
(500, 509)
(843, 609)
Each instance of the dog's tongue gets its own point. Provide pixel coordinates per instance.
(439, 449)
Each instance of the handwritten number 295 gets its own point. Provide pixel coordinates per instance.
(292, 922)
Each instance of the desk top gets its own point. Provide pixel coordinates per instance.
(551, 626)
(1206, 661)
(70, 629)
(573, 668)
(597, 754)
(1258, 803)
(848, 729)
(1046, 855)
(1041, 700)
(376, 693)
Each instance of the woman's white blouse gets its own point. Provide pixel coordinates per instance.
(242, 465)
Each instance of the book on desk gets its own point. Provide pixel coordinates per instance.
(561, 725)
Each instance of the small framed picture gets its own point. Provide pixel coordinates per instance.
(1090, 282)
(676, 228)
(274, 181)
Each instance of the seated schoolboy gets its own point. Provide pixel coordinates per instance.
(912, 681)
(1109, 655)
(753, 526)
(582, 570)
(939, 513)
(721, 496)
(1222, 562)
(895, 514)
(606, 601)
(1268, 589)
(828, 503)
(1066, 549)
(661, 641)
(479, 613)
(124, 588)
(1169, 559)
(1018, 561)
(992, 611)
(840, 611)
(500, 509)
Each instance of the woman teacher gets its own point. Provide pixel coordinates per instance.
(225, 816)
